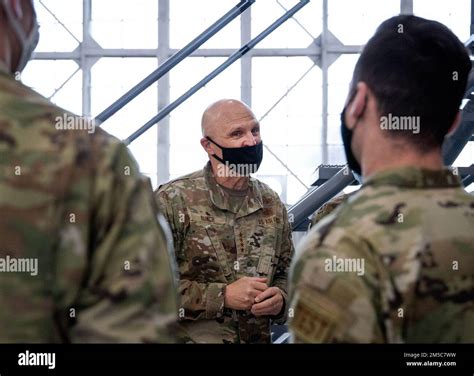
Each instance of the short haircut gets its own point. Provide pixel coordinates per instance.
(415, 67)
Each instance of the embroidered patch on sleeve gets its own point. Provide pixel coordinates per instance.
(316, 318)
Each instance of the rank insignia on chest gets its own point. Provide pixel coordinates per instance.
(269, 220)
(207, 218)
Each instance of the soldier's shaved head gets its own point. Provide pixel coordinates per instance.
(222, 114)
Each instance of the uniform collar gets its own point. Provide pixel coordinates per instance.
(415, 177)
(219, 198)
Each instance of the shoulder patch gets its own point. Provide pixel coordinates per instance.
(316, 318)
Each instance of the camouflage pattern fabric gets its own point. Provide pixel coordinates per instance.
(327, 209)
(217, 243)
(82, 255)
(395, 263)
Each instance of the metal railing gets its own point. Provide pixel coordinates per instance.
(317, 196)
(174, 60)
(230, 60)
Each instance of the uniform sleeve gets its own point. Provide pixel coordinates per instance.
(280, 279)
(129, 292)
(327, 209)
(197, 300)
(332, 294)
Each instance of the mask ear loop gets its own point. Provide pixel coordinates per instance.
(18, 10)
(214, 155)
(14, 17)
(211, 140)
(28, 40)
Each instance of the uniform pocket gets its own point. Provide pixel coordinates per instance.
(266, 262)
(220, 252)
(261, 258)
(202, 259)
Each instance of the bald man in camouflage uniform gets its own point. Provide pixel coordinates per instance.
(82, 256)
(395, 262)
(232, 237)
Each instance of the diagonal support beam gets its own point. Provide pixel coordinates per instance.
(232, 59)
(174, 60)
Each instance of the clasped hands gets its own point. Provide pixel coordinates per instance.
(253, 293)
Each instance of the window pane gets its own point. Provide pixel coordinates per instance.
(189, 18)
(290, 34)
(54, 36)
(112, 77)
(48, 78)
(186, 153)
(339, 77)
(454, 14)
(292, 129)
(354, 22)
(125, 24)
(466, 158)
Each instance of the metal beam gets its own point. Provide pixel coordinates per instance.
(232, 59)
(324, 69)
(472, 18)
(406, 7)
(60, 22)
(174, 60)
(317, 196)
(85, 63)
(454, 144)
(312, 51)
(246, 61)
(163, 138)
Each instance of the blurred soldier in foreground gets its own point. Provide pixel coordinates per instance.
(231, 234)
(82, 256)
(395, 262)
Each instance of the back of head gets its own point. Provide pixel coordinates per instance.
(415, 67)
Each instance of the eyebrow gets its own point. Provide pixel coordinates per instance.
(237, 128)
(242, 128)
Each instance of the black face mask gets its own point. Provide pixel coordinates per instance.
(346, 134)
(242, 161)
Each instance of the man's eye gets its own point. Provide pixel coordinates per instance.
(256, 130)
(236, 133)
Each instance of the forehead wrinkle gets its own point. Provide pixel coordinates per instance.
(222, 115)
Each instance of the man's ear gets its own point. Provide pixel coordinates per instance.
(456, 122)
(356, 107)
(206, 145)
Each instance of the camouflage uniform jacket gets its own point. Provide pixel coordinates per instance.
(75, 204)
(394, 263)
(217, 244)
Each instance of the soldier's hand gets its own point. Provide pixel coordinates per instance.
(268, 303)
(241, 294)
